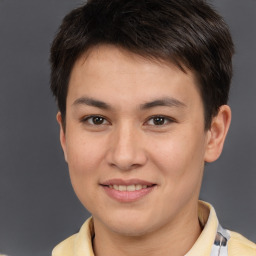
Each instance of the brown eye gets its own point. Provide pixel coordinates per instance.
(95, 120)
(159, 120)
(98, 120)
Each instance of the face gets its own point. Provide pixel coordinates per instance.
(134, 141)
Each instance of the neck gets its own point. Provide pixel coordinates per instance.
(176, 238)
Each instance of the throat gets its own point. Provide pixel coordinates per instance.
(152, 244)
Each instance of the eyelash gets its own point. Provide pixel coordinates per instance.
(166, 120)
(87, 118)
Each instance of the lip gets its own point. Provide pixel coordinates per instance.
(126, 182)
(127, 196)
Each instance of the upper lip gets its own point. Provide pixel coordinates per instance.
(126, 182)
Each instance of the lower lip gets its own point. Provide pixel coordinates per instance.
(127, 196)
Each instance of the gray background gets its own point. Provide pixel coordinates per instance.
(37, 205)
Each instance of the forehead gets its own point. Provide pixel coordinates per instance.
(106, 53)
(106, 68)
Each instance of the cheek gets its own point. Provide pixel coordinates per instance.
(84, 159)
(83, 153)
(180, 158)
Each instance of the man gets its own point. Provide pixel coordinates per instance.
(142, 88)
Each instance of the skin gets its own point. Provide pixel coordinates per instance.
(130, 143)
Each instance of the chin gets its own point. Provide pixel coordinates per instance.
(132, 226)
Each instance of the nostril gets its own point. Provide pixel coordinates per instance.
(125, 167)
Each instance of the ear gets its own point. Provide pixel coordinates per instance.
(217, 134)
(62, 134)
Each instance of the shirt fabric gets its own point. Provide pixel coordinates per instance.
(213, 240)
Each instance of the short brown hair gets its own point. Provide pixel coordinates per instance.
(188, 33)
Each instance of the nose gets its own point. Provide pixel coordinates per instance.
(126, 150)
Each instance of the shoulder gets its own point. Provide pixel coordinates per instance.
(239, 245)
(77, 244)
(65, 247)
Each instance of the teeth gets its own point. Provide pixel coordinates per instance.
(131, 188)
(128, 188)
(122, 188)
(138, 187)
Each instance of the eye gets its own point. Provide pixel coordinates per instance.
(159, 120)
(95, 120)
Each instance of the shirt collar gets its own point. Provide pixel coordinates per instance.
(203, 245)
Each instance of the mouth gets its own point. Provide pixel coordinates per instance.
(127, 191)
(134, 187)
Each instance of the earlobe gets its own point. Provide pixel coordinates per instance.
(217, 133)
(62, 134)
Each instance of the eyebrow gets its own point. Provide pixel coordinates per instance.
(163, 102)
(91, 102)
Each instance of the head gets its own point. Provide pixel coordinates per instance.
(189, 34)
(141, 88)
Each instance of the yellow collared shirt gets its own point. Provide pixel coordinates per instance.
(80, 244)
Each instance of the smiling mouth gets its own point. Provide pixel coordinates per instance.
(129, 187)
(127, 190)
